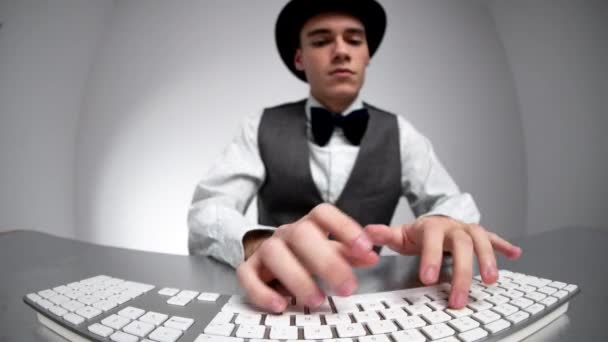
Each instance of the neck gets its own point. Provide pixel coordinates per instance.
(335, 104)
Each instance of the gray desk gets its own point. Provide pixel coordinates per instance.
(31, 261)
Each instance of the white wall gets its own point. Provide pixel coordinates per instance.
(558, 51)
(46, 50)
(172, 81)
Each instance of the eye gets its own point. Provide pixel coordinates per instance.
(319, 43)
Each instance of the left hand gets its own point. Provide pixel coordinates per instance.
(430, 236)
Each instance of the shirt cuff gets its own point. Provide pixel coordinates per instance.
(460, 207)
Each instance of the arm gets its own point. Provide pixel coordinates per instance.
(425, 182)
(216, 221)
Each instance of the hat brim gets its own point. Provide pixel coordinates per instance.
(295, 14)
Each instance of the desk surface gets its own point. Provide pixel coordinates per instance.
(31, 261)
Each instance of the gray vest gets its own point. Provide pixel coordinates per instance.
(372, 191)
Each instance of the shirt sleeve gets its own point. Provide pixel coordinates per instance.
(426, 184)
(216, 219)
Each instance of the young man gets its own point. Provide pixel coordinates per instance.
(328, 172)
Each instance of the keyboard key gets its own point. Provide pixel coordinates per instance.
(518, 317)
(73, 318)
(317, 332)
(208, 296)
(306, 320)
(460, 312)
(505, 309)
(436, 317)
(417, 309)
(374, 338)
(372, 306)
(481, 305)
(473, 335)
(283, 333)
(180, 301)
(279, 320)
(412, 335)
(365, 316)
(437, 331)
(571, 288)
(381, 327)
(164, 334)
(168, 291)
(221, 329)
(138, 328)
(72, 305)
(410, 322)
(155, 318)
(33, 297)
(486, 317)
(251, 331)
(522, 303)
(248, 318)
(391, 313)
(180, 323)
(131, 312)
(120, 336)
(100, 330)
(463, 324)
(535, 309)
(58, 310)
(497, 326)
(88, 312)
(115, 321)
(536, 296)
(211, 338)
(350, 330)
(549, 301)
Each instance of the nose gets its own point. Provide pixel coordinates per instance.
(341, 51)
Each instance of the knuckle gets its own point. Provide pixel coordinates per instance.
(300, 232)
(318, 210)
(462, 239)
(269, 247)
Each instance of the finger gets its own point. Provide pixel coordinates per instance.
(281, 262)
(485, 253)
(505, 247)
(342, 227)
(368, 260)
(432, 254)
(257, 291)
(312, 248)
(382, 235)
(461, 246)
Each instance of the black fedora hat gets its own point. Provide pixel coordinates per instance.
(295, 14)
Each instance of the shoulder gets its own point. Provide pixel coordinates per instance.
(407, 130)
(285, 105)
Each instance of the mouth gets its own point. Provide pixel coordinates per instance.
(342, 72)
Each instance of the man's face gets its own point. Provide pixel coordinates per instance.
(333, 54)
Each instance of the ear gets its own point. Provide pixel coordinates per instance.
(297, 60)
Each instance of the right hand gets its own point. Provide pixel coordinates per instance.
(300, 250)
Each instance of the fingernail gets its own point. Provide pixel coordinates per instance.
(490, 271)
(362, 244)
(429, 274)
(316, 299)
(278, 304)
(347, 288)
(460, 300)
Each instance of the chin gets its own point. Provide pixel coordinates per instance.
(344, 91)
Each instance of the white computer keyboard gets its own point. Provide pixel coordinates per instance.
(103, 308)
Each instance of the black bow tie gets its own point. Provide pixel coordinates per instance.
(323, 122)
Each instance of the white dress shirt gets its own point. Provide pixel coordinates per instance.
(217, 221)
